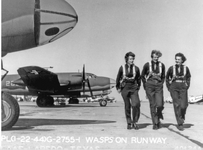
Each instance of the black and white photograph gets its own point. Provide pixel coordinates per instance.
(101, 74)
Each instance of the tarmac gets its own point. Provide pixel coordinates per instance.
(87, 126)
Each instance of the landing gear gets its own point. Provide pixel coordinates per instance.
(103, 102)
(73, 101)
(50, 101)
(9, 107)
(43, 101)
(9, 111)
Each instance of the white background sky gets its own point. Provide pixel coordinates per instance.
(108, 29)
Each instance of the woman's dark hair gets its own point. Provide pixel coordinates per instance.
(157, 52)
(182, 56)
(129, 54)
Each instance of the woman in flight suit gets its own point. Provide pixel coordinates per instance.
(128, 84)
(178, 83)
(153, 76)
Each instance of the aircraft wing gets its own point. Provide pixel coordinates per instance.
(39, 79)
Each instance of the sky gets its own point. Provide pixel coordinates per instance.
(108, 29)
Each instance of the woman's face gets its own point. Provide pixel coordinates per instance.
(155, 57)
(130, 60)
(178, 60)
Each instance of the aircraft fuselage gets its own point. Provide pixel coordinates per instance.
(70, 85)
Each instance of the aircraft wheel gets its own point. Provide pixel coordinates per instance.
(103, 102)
(42, 101)
(9, 111)
(73, 101)
(50, 101)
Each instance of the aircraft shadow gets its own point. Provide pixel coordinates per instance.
(24, 123)
(69, 105)
(58, 106)
(79, 105)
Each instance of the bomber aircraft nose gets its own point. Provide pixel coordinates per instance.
(53, 19)
(102, 83)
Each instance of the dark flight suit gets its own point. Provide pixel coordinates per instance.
(153, 84)
(178, 84)
(130, 92)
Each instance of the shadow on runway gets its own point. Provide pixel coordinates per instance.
(166, 125)
(59, 106)
(85, 105)
(187, 125)
(199, 143)
(24, 123)
(69, 105)
(143, 125)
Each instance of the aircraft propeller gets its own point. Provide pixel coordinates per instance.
(84, 81)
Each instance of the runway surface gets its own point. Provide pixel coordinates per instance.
(87, 126)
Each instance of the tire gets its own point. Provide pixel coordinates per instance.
(10, 111)
(50, 101)
(73, 101)
(103, 102)
(41, 101)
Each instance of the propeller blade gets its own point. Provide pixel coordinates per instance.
(83, 86)
(88, 82)
(83, 79)
(83, 73)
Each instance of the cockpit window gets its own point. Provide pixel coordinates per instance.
(91, 76)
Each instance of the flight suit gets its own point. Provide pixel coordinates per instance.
(178, 83)
(153, 76)
(130, 92)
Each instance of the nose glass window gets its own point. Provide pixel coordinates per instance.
(52, 31)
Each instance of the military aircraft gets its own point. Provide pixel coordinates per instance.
(27, 24)
(195, 99)
(46, 85)
(191, 99)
